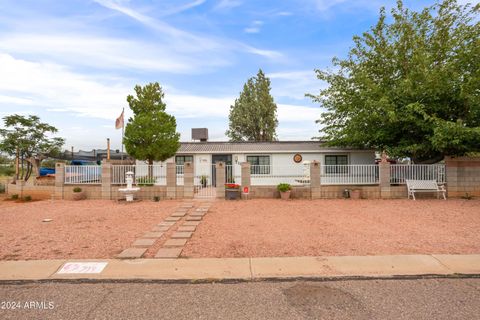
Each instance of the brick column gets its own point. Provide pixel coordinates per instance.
(315, 180)
(106, 181)
(246, 179)
(188, 175)
(220, 179)
(384, 180)
(59, 180)
(171, 180)
(462, 176)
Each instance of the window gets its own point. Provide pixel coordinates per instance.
(259, 164)
(180, 161)
(337, 162)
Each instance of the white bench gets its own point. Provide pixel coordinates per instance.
(424, 186)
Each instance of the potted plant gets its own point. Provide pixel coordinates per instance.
(232, 191)
(78, 194)
(355, 194)
(203, 181)
(285, 190)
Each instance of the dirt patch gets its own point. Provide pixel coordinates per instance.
(271, 227)
(79, 229)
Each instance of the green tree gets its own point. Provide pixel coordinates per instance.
(29, 136)
(151, 134)
(409, 86)
(253, 117)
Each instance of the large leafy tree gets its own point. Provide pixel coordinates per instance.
(409, 86)
(30, 137)
(253, 117)
(150, 134)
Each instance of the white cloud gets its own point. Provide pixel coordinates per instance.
(183, 38)
(294, 83)
(228, 4)
(254, 27)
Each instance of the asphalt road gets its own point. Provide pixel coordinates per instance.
(360, 299)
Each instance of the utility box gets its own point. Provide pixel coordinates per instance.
(200, 134)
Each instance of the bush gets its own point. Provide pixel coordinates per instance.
(7, 171)
(77, 189)
(284, 187)
(156, 198)
(14, 197)
(2, 187)
(27, 198)
(146, 181)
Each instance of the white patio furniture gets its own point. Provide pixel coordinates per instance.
(425, 186)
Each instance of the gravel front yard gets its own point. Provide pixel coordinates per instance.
(80, 229)
(259, 228)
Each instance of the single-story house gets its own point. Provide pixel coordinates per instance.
(267, 158)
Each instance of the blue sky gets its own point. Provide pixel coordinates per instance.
(74, 62)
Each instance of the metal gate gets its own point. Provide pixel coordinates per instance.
(203, 186)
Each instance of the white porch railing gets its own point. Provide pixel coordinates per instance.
(233, 174)
(143, 174)
(83, 174)
(268, 175)
(400, 172)
(349, 174)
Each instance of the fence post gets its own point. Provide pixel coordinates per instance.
(59, 180)
(171, 180)
(188, 180)
(106, 181)
(315, 180)
(384, 179)
(220, 179)
(246, 179)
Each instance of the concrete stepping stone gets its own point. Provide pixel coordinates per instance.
(197, 214)
(132, 253)
(178, 214)
(172, 218)
(187, 228)
(181, 235)
(175, 243)
(144, 242)
(194, 218)
(156, 234)
(168, 253)
(166, 223)
(201, 210)
(191, 223)
(161, 228)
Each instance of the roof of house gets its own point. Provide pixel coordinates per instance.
(256, 147)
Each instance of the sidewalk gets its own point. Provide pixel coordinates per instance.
(251, 268)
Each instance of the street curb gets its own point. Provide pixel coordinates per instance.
(224, 270)
(242, 280)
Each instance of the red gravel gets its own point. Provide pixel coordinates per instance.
(259, 228)
(80, 229)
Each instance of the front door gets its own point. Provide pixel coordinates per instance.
(227, 158)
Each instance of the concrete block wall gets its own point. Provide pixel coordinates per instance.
(463, 176)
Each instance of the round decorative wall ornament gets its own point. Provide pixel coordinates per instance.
(297, 158)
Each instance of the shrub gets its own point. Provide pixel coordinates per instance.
(14, 196)
(145, 181)
(2, 188)
(27, 198)
(77, 189)
(156, 198)
(284, 187)
(7, 171)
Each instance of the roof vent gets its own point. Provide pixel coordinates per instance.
(200, 134)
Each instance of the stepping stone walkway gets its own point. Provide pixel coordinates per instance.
(173, 246)
(182, 235)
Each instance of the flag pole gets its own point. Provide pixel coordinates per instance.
(123, 129)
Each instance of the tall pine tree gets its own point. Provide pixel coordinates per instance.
(253, 117)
